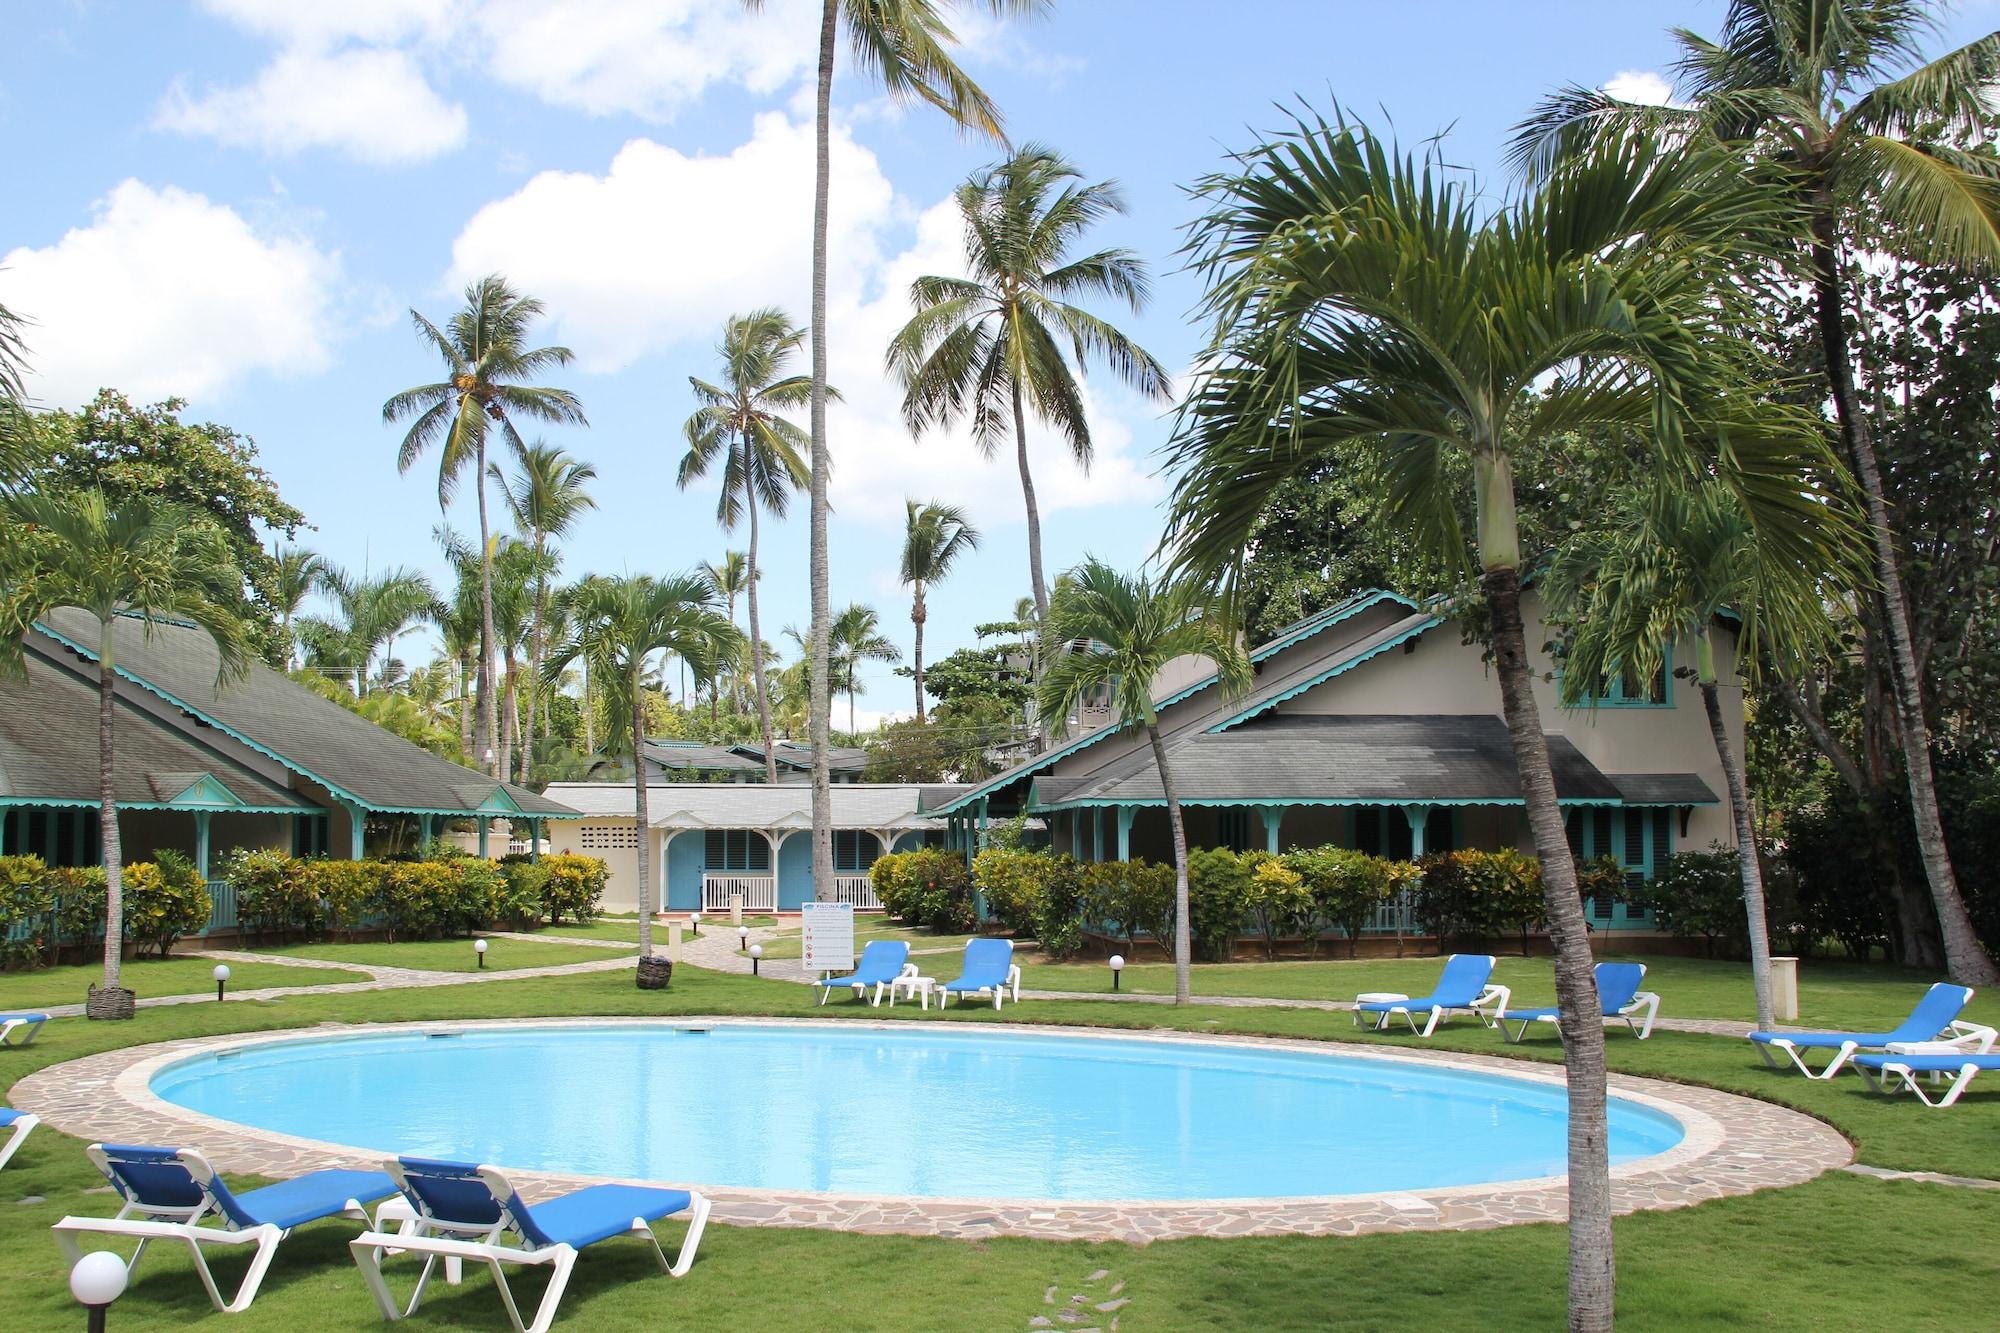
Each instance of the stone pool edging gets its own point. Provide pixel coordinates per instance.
(1733, 1145)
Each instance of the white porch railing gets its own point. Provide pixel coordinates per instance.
(760, 892)
(1395, 917)
(856, 889)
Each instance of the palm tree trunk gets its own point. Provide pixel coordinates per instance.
(819, 700)
(1967, 962)
(485, 723)
(465, 670)
(107, 810)
(589, 722)
(1592, 1293)
(1183, 939)
(918, 614)
(1034, 515)
(757, 630)
(510, 719)
(640, 814)
(1748, 866)
(534, 661)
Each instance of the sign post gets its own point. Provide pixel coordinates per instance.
(827, 930)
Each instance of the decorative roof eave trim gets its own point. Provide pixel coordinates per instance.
(462, 813)
(1157, 802)
(1335, 615)
(1415, 632)
(92, 803)
(1669, 805)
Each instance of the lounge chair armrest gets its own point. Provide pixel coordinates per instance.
(909, 970)
(1974, 1038)
(1495, 996)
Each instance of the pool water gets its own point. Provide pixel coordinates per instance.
(954, 1113)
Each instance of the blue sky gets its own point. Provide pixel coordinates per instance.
(237, 201)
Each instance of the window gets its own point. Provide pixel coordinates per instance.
(1626, 690)
(853, 851)
(736, 849)
(1637, 839)
(61, 837)
(310, 835)
(1381, 830)
(1232, 830)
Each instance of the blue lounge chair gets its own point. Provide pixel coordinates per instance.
(989, 968)
(881, 963)
(1935, 1015)
(462, 1211)
(168, 1193)
(1618, 994)
(17, 1124)
(1891, 1073)
(1465, 986)
(18, 1029)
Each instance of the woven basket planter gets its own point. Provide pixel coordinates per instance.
(655, 972)
(116, 1002)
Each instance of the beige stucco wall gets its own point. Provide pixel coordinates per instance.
(621, 891)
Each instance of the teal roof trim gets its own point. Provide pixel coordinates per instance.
(85, 803)
(1326, 620)
(1249, 801)
(1407, 636)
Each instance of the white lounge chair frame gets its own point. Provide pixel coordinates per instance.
(421, 1235)
(1009, 989)
(1485, 1007)
(1973, 1037)
(860, 988)
(17, 1136)
(1638, 1015)
(25, 1027)
(1896, 1077)
(181, 1225)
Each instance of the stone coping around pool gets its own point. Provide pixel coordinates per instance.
(1732, 1145)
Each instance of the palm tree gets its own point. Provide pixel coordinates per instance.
(296, 574)
(934, 537)
(516, 570)
(544, 499)
(14, 419)
(458, 625)
(621, 625)
(1363, 306)
(1662, 569)
(374, 610)
(1134, 626)
(1868, 139)
(141, 562)
(990, 346)
(857, 638)
(489, 381)
(906, 45)
(739, 422)
(730, 577)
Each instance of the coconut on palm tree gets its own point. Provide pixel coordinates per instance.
(993, 347)
(1867, 137)
(490, 374)
(740, 424)
(1370, 305)
(934, 537)
(857, 637)
(127, 568)
(1129, 628)
(620, 626)
(545, 498)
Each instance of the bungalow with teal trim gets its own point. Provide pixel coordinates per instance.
(257, 761)
(1376, 724)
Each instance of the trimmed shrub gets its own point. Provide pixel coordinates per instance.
(80, 893)
(164, 900)
(348, 892)
(1130, 899)
(890, 878)
(521, 902)
(1015, 883)
(27, 895)
(1060, 929)
(1219, 899)
(1282, 904)
(1699, 895)
(940, 891)
(573, 887)
(273, 897)
(1478, 895)
(416, 898)
(1347, 887)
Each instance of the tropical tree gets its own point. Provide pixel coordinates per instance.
(1873, 149)
(296, 575)
(989, 347)
(857, 637)
(1664, 569)
(1133, 626)
(621, 625)
(544, 498)
(1364, 299)
(374, 609)
(15, 449)
(739, 423)
(906, 44)
(730, 577)
(490, 372)
(135, 565)
(934, 537)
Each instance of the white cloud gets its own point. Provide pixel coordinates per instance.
(165, 293)
(1640, 85)
(374, 105)
(301, 23)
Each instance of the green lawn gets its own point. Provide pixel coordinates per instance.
(151, 977)
(1829, 1246)
(447, 955)
(626, 928)
(789, 944)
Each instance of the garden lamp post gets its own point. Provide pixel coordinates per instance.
(694, 919)
(756, 956)
(1117, 966)
(742, 939)
(97, 1280)
(221, 975)
(479, 947)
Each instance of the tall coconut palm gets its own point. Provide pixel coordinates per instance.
(1663, 569)
(516, 569)
(730, 577)
(296, 574)
(857, 637)
(375, 609)
(127, 568)
(621, 625)
(1135, 625)
(905, 44)
(989, 347)
(934, 537)
(740, 424)
(458, 625)
(544, 498)
(1869, 138)
(1366, 301)
(490, 372)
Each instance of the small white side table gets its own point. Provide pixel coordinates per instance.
(1378, 997)
(911, 985)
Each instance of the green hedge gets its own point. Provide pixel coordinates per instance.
(164, 900)
(450, 893)
(927, 887)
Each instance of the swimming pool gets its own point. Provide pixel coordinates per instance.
(906, 1111)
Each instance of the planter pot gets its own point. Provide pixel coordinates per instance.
(116, 1002)
(655, 972)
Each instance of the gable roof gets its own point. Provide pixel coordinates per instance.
(276, 716)
(791, 754)
(856, 805)
(700, 758)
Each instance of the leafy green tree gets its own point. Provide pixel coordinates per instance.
(934, 537)
(979, 673)
(988, 347)
(1361, 297)
(545, 498)
(962, 741)
(1876, 147)
(1134, 626)
(489, 381)
(127, 567)
(739, 423)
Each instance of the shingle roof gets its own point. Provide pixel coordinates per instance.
(746, 804)
(791, 754)
(1664, 789)
(306, 733)
(1353, 760)
(48, 748)
(699, 758)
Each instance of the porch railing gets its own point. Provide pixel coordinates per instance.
(222, 906)
(858, 890)
(760, 892)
